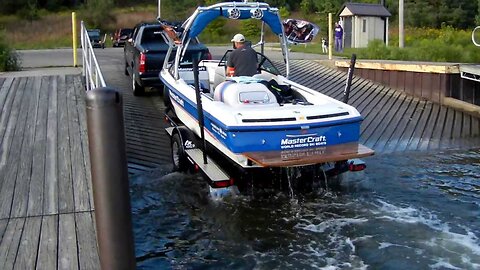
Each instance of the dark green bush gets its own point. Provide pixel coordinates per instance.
(9, 60)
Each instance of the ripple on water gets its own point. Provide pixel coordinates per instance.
(401, 215)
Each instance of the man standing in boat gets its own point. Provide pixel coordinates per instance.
(243, 60)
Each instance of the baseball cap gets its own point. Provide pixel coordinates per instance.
(238, 38)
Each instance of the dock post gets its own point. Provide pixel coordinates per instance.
(106, 137)
(348, 84)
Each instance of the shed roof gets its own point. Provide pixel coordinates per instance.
(363, 9)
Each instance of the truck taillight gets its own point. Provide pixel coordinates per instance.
(209, 56)
(143, 59)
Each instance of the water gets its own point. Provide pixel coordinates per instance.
(406, 211)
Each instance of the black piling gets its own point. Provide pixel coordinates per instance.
(106, 137)
(201, 123)
(348, 85)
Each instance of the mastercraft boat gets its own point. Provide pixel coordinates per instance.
(266, 120)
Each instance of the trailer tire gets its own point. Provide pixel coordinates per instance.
(179, 157)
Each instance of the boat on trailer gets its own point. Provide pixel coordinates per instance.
(266, 121)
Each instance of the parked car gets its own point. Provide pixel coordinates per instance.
(95, 38)
(145, 53)
(121, 36)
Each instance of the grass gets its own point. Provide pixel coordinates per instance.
(52, 31)
(55, 30)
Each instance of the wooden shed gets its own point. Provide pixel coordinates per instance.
(363, 23)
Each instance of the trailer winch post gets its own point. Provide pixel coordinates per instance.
(348, 85)
(199, 107)
(106, 138)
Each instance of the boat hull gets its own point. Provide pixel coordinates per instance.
(272, 137)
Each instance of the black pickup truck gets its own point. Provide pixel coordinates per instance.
(145, 53)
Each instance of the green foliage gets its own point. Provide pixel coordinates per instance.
(284, 13)
(177, 10)
(9, 60)
(477, 17)
(250, 29)
(459, 14)
(98, 13)
(215, 32)
(29, 12)
(307, 7)
(328, 6)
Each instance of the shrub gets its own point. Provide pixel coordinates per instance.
(284, 13)
(9, 60)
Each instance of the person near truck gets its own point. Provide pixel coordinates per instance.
(243, 60)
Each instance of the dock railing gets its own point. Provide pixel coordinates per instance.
(91, 70)
(106, 140)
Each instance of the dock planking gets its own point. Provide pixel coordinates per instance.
(46, 214)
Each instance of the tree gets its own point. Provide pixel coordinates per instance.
(250, 28)
(477, 17)
(214, 31)
(307, 7)
(284, 13)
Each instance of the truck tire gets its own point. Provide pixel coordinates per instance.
(138, 90)
(179, 157)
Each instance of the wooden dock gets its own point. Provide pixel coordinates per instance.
(46, 202)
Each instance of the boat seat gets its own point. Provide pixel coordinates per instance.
(187, 75)
(244, 94)
(219, 76)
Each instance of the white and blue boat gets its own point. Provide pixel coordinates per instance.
(265, 120)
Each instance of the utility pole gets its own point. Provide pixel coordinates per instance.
(401, 38)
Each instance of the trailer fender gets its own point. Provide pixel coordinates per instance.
(186, 136)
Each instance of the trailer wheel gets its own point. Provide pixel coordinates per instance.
(179, 157)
